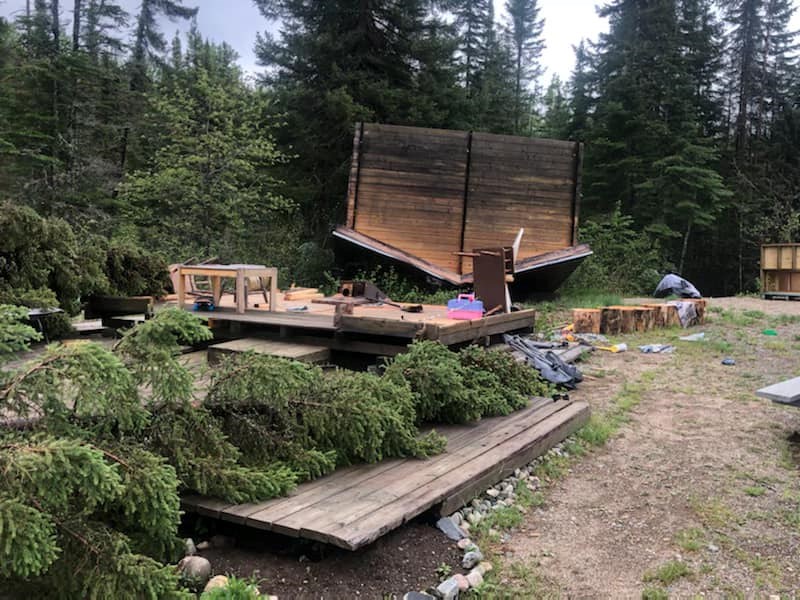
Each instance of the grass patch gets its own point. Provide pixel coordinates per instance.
(601, 427)
(778, 320)
(668, 573)
(713, 513)
(690, 540)
(654, 593)
(755, 490)
(523, 582)
(526, 498)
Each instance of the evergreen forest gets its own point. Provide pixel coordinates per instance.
(120, 146)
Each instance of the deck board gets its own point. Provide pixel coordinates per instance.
(354, 506)
(311, 353)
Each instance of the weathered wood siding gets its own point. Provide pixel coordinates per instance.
(410, 191)
(434, 192)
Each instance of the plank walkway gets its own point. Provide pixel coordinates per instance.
(311, 353)
(356, 505)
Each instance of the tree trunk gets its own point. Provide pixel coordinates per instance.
(685, 246)
(76, 26)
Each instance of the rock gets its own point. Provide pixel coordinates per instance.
(189, 548)
(492, 493)
(272, 598)
(474, 518)
(476, 504)
(472, 558)
(450, 529)
(418, 596)
(484, 567)
(218, 581)
(456, 518)
(465, 543)
(222, 541)
(517, 473)
(203, 546)
(448, 589)
(195, 568)
(474, 578)
(463, 582)
(486, 506)
(535, 481)
(713, 548)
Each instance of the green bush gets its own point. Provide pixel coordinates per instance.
(625, 261)
(235, 589)
(132, 271)
(38, 254)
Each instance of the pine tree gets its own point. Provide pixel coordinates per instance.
(557, 115)
(213, 158)
(580, 93)
(648, 147)
(334, 64)
(474, 19)
(525, 29)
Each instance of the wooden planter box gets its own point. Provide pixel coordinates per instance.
(780, 270)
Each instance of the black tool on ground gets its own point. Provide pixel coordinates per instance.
(368, 290)
(549, 364)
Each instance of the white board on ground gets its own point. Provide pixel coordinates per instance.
(785, 392)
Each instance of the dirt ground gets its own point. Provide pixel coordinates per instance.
(698, 494)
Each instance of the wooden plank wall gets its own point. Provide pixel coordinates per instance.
(410, 191)
(433, 192)
(520, 182)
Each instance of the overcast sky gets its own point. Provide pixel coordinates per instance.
(238, 21)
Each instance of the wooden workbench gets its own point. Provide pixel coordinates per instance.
(239, 272)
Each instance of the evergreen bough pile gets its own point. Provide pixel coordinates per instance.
(97, 444)
(311, 422)
(458, 387)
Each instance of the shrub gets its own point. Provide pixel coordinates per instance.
(625, 261)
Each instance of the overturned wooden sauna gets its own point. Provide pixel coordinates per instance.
(424, 197)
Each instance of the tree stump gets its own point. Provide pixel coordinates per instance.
(615, 320)
(666, 315)
(644, 319)
(700, 308)
(586, 320)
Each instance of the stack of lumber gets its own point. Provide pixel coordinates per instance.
(616, 320)
(302, 293)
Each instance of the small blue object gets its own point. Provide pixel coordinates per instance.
(728, 362)
(204, 304)
(464, 307)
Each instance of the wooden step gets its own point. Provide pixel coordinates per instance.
(284, 348)
(355, 505)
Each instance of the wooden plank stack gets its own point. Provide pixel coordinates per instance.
(616, 320)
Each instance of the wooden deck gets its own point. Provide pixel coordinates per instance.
(311, 353)
(373, 321)
(356, 505)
